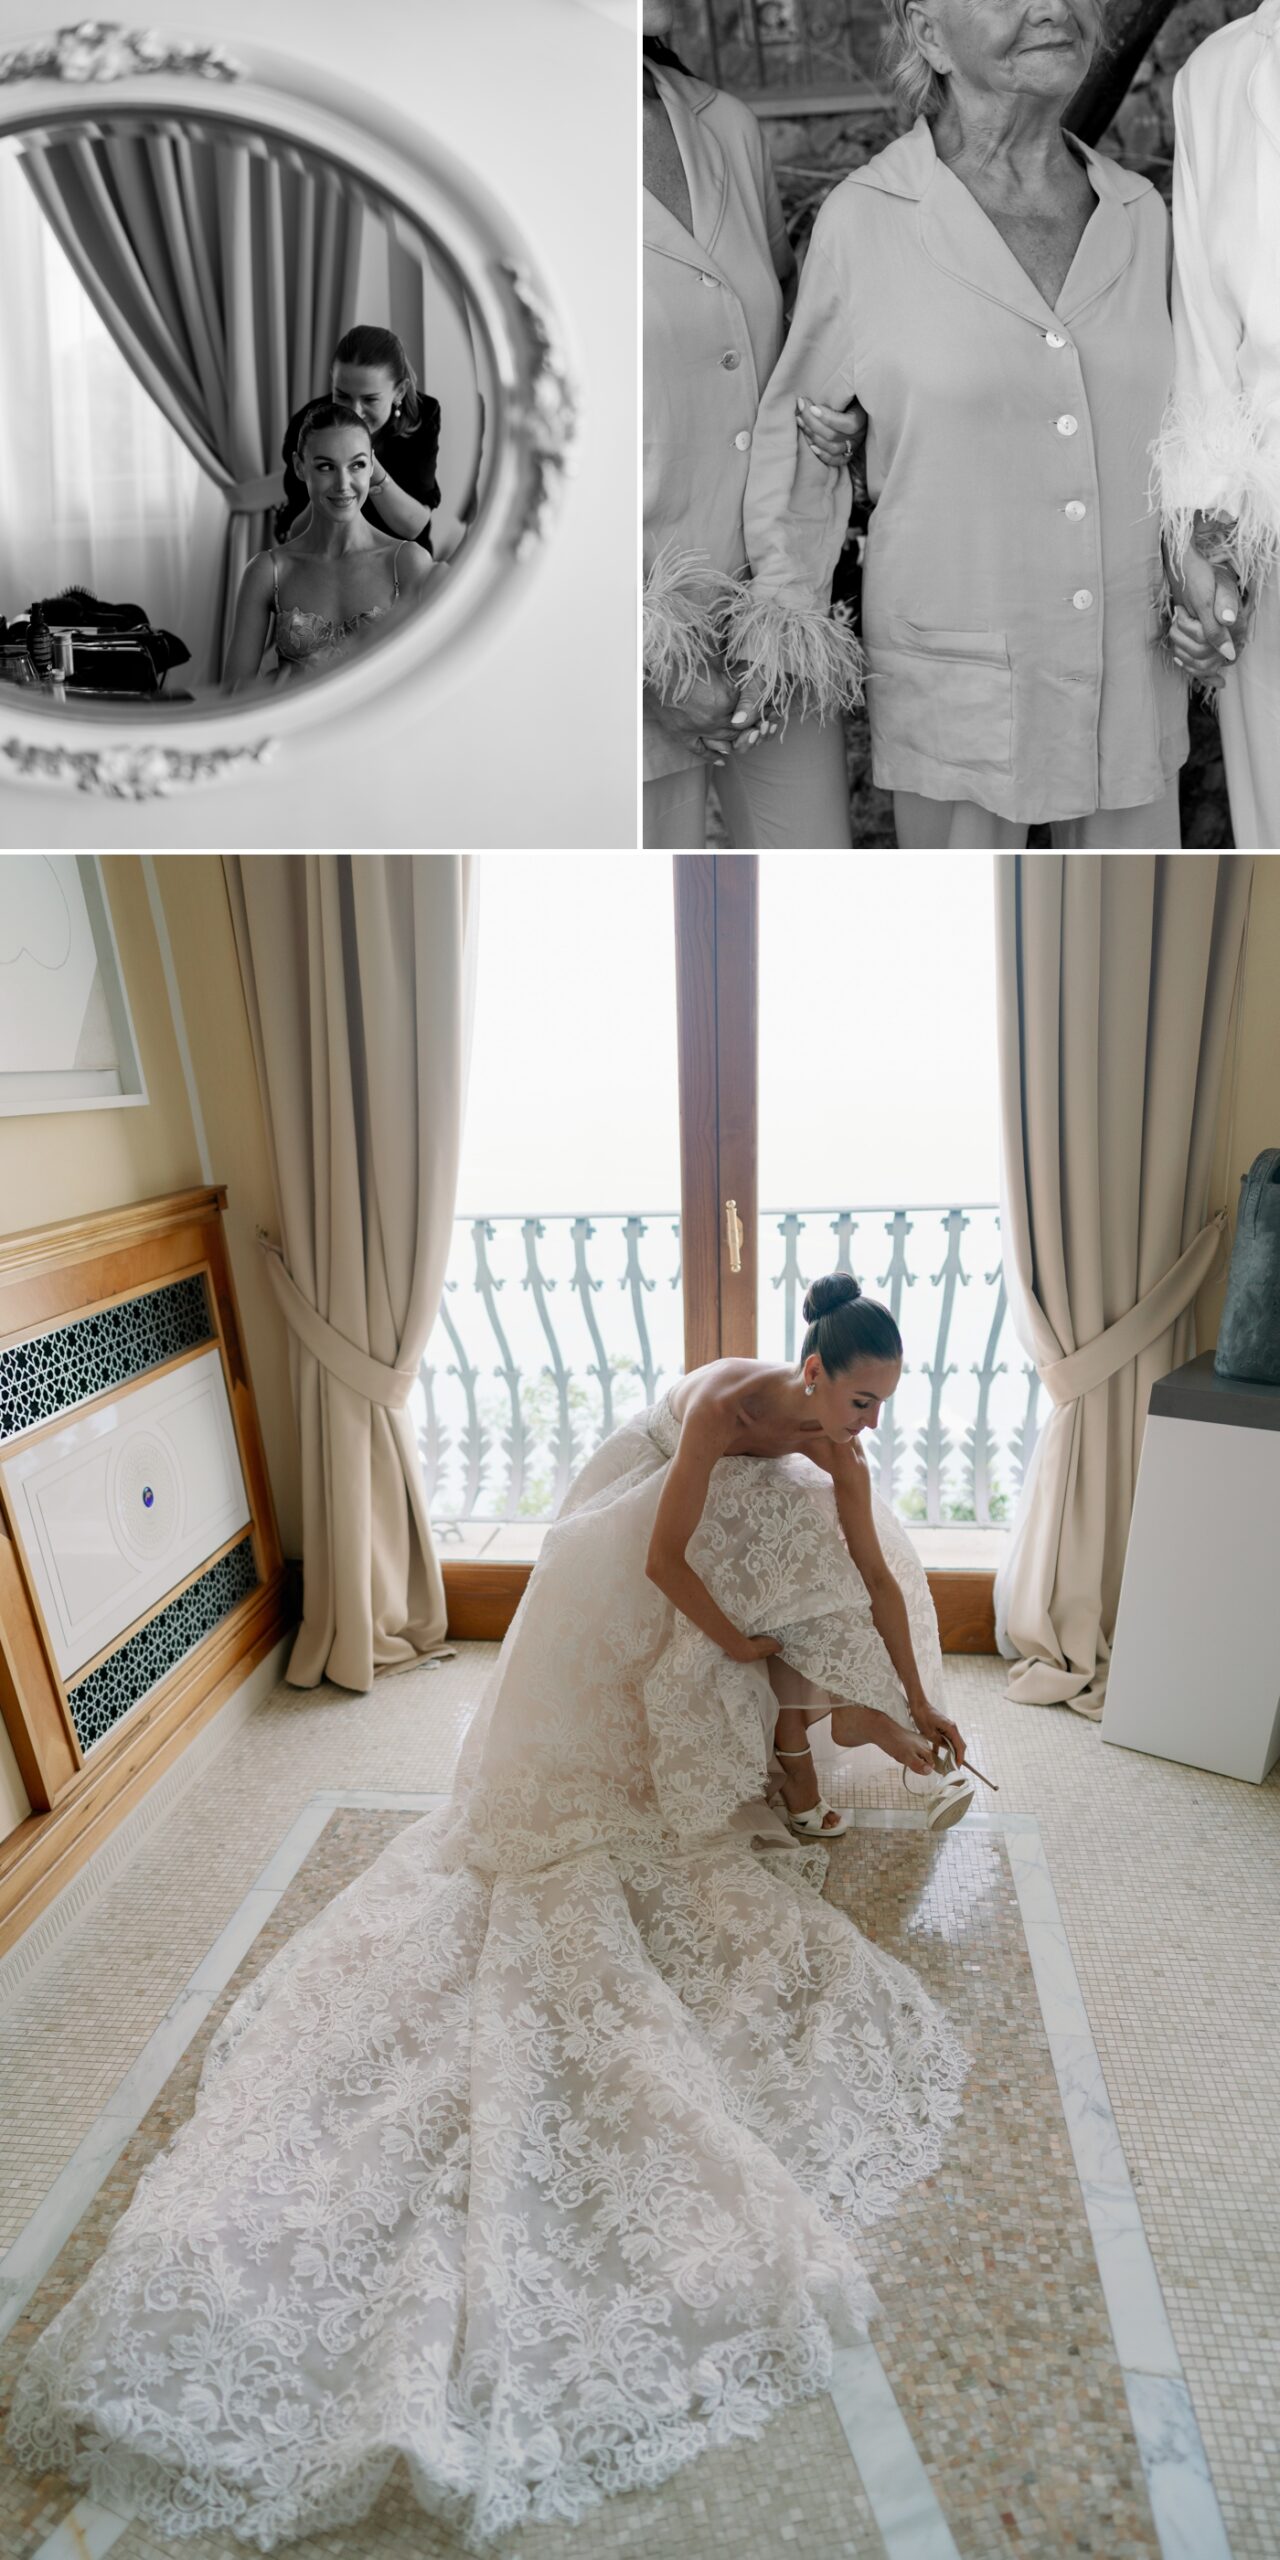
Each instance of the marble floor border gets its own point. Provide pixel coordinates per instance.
(904, 2504)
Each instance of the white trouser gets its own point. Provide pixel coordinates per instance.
(790, 791)
(951, 824)
(1250, 710)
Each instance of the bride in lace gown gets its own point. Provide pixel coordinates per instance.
(319, 596)
(538, 2159)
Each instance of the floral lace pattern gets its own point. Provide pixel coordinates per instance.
(538, 2158)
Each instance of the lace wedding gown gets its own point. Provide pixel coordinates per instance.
(537, 2158)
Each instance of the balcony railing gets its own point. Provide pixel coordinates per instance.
(553, 1330)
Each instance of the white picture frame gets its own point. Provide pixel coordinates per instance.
(67, 1040)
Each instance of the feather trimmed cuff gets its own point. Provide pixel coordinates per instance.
(685, 601)
(795, 657)
(1220, 456)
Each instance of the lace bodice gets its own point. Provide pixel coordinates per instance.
(307, 642)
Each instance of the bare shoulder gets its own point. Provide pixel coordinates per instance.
(705, 1402)
(259, 573)
(844, 1462)
(416, 565)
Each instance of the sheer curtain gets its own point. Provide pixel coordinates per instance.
(225, 275)
(96, 489)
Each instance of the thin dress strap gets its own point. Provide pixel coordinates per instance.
(395, 572)
(275, 578)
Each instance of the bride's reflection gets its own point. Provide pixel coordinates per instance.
(372, 373)
(228, 479)
(318, 597)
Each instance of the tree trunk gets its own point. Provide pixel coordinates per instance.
(1131, 26)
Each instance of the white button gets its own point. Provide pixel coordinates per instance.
(713, 281)
(730, 360)
(1052, 339)
(1066, 426)
(742, 439)
(1082, 599)
(1075, 508)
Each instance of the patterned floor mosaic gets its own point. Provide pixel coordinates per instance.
(1167, 1882)
(994, 2338)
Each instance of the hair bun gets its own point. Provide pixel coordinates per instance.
(838, 1289)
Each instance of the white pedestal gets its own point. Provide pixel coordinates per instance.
(1195, 1668)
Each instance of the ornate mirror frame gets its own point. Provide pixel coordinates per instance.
(78, 73)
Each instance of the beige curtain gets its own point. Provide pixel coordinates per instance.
(1116, 979)
(226, 278)
(355, 972)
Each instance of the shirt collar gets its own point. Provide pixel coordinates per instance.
(705, 167)
(958, 236)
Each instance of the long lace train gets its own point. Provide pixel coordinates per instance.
(538, 2158)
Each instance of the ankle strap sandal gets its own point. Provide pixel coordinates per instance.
(818, 1821)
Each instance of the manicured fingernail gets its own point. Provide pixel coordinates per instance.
(1227, 614)
(740, 719)
(1228, 649)
(752, 735)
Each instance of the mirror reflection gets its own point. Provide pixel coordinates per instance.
(243, 430)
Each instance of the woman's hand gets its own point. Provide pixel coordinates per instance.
(755, 1648)
(936, 1729)
(705, 719)
(1209, 625)
(1199, 658)
(837, 437)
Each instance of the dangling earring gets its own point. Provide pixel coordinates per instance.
(809, 1387)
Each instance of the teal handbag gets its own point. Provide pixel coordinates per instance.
(1249, 1335)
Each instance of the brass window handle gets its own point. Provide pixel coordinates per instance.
(733, 1234)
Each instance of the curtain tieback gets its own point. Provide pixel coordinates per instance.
(252, 497)
(344, 1360)
(1091, 1366)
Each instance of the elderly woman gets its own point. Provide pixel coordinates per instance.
(718, 267)
(1219, 456)
(995, 295)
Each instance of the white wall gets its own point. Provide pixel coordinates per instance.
(66, 1164)
(535, 742)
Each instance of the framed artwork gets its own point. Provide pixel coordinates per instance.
(66, 1033)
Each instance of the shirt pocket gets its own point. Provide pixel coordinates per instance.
(945, 695)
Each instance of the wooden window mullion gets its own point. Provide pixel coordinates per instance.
(716, 991)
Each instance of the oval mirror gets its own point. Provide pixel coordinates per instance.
(285, 410)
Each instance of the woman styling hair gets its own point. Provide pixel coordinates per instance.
(372, 374)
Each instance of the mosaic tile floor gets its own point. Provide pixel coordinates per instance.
(995, 2338)
(1166, 1880)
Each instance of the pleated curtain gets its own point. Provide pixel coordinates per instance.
(1116, 977)
(356, 978)
(226, 278)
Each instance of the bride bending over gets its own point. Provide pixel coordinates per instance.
(319, 596)
(850, 1366)
(538, 2159)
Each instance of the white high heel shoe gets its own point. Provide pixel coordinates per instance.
(812, 1824)
(947, 1796)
